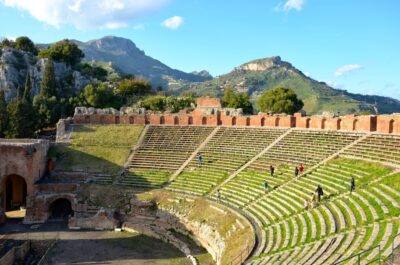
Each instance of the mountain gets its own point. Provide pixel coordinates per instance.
(124, 54)
(259, 75)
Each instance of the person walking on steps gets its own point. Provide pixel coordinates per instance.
(301, 168)
(352, 184)
(265, 185)
(200, 159)
(319, 192)
(218, 195)
(271, 170)
(296, 171)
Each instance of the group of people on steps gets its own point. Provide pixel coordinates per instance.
(308, 204)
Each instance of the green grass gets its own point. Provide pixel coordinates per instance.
(96, 148)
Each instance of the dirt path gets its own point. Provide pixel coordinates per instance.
(113, 248)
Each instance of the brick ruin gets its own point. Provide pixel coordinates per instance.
(22, 164)
(210, 112)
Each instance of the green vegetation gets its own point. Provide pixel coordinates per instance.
(237, 100)
(279, 100)
(3, 114)
(63, 51)
(163, 103)
(25, 44)
(97, 148)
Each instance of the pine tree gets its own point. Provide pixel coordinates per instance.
(48, 87)
(3, 114)
(28, 88)
(21, 119)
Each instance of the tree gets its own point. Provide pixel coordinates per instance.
(131, 87)
(25, 44)
(48, 87)
(28, 88)
(6, 43)
(175, 104)
(100, 96)
(155, 103)
(21, 119)
(63, 51)
(47, 110)
(280, 100)
(237, 100)
(3, 114)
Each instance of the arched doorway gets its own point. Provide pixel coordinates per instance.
(247, 121)
(323, 124)
(339, 124)
(391, 126)
(190, 122)
(277, 120)
(308, 122)
(162, 120)
(204, 121)
(355, 122)
(233, 121)
(60, 209)
(14, 193)
(262, 121)
(176, 120)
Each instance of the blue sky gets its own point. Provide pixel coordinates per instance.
(352, 45)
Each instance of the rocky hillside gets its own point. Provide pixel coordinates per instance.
(15, 64)
(256, 76)
(124, 54)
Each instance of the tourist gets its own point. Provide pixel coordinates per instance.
(218, 195)
(352, 184)
(306, 204)
(271, 170)
(319, 192)
(296, 171)
(265, 185)
(312, 199)
(200, 159)
(301, 168)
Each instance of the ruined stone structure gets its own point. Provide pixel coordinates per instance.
(22, 163)
(209, 112)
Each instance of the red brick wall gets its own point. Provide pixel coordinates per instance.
(207, 102)
(383, 124)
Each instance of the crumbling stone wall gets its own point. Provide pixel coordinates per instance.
(24, 158)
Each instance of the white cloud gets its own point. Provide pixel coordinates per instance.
(86, 13)
(173, 22)
(345, 69)
(308, 74)
(289, 5)
(334, 84)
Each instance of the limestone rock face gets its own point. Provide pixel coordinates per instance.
(15, 64)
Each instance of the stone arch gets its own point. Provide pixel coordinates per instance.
(355, 123)
(323, 124)
(391, 126)
(15, 192)
(308, 123)
(204, 121)
(233, 121)
(117, 120)
(131, 119)
(176, 120)
(248, 121)
(339, 124)
(190, 120)
(277, 121)
(60, 208)
(162, 120)
(50, 165)
(263, 121)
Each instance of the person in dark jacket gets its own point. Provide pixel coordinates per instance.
(296, 171)
(352, 184)
(271, 170)
(320, 192)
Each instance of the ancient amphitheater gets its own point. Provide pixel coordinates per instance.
(141, 172)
